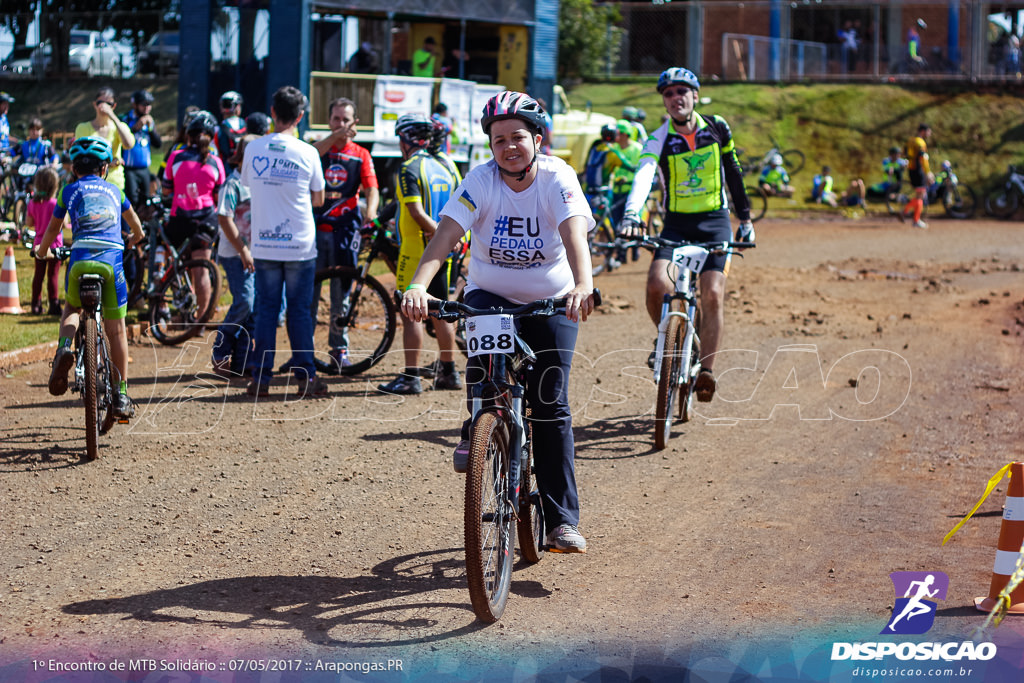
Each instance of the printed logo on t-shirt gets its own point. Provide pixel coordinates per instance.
(283, 169)
(467, 201)
(280, 233)
(568, 196)
(260, 165)
(335, 175)
(516, 243)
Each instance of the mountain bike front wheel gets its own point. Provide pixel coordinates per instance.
(668, 382)
(960, 201)
(1002, 203)
(691, 364)
(488, 518)
(174, 314)
(105, 385)
(353, 308)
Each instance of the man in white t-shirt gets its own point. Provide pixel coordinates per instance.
(285, 181)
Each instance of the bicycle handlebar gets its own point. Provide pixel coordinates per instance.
(449, 310)
(652, 243)
(53, 254)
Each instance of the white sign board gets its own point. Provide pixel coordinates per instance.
(397, 95)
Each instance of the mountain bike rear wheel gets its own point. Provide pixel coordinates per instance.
(531, 514)
(793, 160)
(174, 314)
(488, 518)
(89, 391)
(360, 307)
(668, 382)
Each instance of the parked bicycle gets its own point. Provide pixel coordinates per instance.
(677, 352)
(1004, 201)
(361, 304)
(93, 371)
(499, 488)
(957, 197)
(792, 159)
(174, 313)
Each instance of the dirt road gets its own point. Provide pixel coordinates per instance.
(869, 387)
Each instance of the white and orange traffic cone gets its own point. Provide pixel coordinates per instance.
(10, 299)
(1011, 535)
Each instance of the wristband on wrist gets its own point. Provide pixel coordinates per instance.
(416, 285)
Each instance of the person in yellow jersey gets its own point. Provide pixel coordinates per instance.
(919, 174)
(425, 183)
(696, 157)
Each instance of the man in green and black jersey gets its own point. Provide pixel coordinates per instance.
(696, 159)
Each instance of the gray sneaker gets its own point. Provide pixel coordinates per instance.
(565, 538)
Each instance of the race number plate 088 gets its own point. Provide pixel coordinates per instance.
(490, 334)
(690, 257)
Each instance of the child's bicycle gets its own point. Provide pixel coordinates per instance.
(499, 490)
(93, 369)
(677, 353)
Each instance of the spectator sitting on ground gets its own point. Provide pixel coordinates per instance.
(774, 179)
(821, 192)
(854, 194)
(892, 166)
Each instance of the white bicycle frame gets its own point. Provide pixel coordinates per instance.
(688, 260)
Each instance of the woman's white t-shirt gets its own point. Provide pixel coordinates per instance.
(516, 250)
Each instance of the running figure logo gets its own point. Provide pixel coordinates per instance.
(913, 613)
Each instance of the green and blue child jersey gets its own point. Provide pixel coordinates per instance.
(94, 207)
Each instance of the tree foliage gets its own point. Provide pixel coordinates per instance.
(588, 39)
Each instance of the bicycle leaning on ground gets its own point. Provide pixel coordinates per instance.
(499, 490)
(677, 353)
(1004, 201)
(93, 369)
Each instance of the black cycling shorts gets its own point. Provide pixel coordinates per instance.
(181, 227)
(714, 226)
(917, 178)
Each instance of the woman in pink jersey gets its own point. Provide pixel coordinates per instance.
(193, 177)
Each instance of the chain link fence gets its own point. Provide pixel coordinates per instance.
(836, 40)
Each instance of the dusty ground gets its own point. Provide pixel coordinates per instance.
(215, 528)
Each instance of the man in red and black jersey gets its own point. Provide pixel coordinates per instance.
(347, 169)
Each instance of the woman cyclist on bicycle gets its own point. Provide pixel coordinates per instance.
(193, 178)
(529, 222)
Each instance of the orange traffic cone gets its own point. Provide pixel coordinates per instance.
(10, 300)
(1011, 535)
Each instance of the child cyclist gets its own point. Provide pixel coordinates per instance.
(95, 208)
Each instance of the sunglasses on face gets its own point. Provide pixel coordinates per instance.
(104, 102)
(673, 92)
